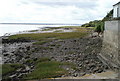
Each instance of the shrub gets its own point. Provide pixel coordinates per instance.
(99, 27)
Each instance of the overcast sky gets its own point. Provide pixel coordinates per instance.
(54, 11)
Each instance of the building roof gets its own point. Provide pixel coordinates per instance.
(116, 3)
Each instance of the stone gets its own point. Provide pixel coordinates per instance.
(82, 74)
(87, 62)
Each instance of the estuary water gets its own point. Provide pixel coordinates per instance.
(13, 29)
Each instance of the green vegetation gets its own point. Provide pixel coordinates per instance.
(91, 23)
(46, 69)
(37, 60)
(81, 30)
(43, 60)
(8, 68)
(0, 70)
(99, 24)
(108, 16)
(99, 27)
(45, 36)
(40, 42)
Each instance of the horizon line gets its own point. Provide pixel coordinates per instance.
(42, 23)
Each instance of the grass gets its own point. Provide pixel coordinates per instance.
(43, 60)
(37, 60)
(7, 68)
(0, 70)
(81, 30)
(46, 69)
(43, 36)
(41, 42)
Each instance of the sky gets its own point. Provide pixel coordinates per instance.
(54, 11)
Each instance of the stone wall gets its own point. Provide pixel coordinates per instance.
(110, 53)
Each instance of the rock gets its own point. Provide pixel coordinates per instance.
(66, 58)
(20, 75)
(18, 70)
(82, 74)
(100, 70)
(13, 76)
(28, 48)
(75, 75)
(65, 48)
(95, 69)
(6, 55)
(86, 62)
(80, 65)
(67, 69)
(27, 68)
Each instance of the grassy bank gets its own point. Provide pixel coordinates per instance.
(48, 69)
(8, 68)
(45, 68)
(79, 32)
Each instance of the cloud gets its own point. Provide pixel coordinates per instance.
(77, 4)
(54, 11)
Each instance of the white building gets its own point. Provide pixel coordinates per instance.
(116, 9)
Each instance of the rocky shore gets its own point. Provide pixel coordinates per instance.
(80, 51)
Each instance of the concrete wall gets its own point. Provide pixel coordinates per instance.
(110, 53)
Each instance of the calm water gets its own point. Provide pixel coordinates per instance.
(12, 29)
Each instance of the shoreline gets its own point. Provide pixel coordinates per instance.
(79, 51)
(35, 28)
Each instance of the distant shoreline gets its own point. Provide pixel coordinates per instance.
(39, 24)
(13, 28)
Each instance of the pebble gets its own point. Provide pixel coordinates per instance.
(84, 61)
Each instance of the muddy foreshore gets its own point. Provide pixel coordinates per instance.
(80, 51)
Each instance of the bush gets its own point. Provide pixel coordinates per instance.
(99, 27)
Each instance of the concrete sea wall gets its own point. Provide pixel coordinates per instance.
(110, 53)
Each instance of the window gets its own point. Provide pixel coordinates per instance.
(117, 12)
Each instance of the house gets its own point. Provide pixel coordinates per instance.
(116, 9)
